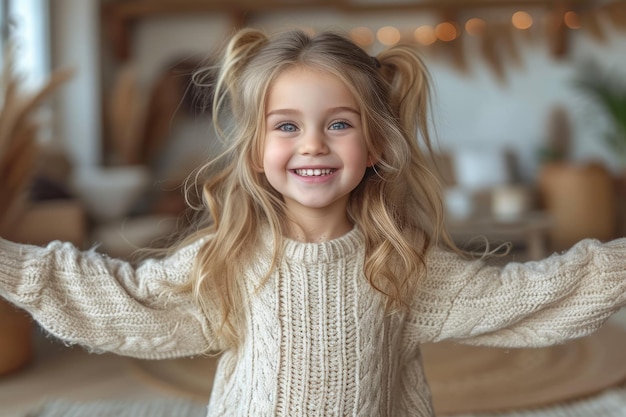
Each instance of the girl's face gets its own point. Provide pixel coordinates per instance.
(314, 150)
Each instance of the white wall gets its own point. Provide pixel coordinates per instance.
(158, 41)
(477, 111)
(75, 26)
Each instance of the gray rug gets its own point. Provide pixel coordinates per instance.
(127, 408)
(611, 403)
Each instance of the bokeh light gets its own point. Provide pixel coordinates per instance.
(388, 35)
(475, 26)
(362, 36)
(425, 35)
(446, 31)
(572, 20)
(522, 20)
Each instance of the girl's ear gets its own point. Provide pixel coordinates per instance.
(371, 161)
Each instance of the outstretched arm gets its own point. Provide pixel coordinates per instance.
(522, 304)
(106, 304)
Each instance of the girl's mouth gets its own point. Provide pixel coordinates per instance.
(314, 172)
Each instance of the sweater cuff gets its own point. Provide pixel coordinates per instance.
(619, 244)
(613, 255)
(19, 263)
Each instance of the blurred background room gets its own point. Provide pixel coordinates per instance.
(100, 123)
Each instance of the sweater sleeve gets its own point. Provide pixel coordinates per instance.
(531, 304)
(105, 304)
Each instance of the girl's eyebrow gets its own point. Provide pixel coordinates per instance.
(329, 111)
(282, 112)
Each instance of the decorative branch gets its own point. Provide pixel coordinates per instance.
(19, 149)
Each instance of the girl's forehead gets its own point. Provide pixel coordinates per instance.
(301, 73)
(298, 83)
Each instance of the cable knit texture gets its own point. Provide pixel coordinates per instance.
(316, 342)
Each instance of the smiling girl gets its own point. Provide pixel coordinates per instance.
(321, 264)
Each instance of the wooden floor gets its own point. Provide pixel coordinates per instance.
(59, 372)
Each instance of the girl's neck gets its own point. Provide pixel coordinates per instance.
(318, 229)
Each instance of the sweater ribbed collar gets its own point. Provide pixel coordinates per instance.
(328, 251)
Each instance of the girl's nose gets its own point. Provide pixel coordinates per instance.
(313, 143)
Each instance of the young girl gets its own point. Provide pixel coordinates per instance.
(322, 263)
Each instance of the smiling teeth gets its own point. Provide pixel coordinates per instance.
(314, 172)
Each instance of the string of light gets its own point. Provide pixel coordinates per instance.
(448, 31)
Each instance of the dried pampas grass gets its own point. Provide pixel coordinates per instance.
(19, 149)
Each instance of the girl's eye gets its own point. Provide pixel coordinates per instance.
(287, 127)
(339, 125)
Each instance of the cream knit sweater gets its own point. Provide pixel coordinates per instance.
(316, 343)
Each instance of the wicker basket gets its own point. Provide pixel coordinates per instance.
(16, 338)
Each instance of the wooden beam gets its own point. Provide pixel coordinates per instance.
(143, 8)
(131, 9)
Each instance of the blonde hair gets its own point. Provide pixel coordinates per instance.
(397, 205)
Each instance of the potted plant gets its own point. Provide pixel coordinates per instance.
(578, 196)
(608, 94)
